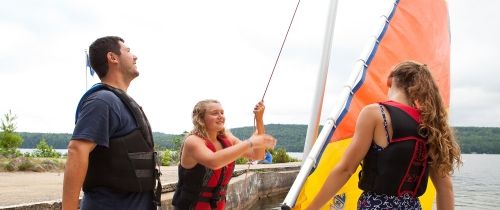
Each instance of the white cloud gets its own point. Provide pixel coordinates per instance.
(474, 106)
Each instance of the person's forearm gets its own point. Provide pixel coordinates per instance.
(444, 190)
(445, 200)
(225, 156)
(74, 174)
(261, 129)
(333, 183)
(259, 153)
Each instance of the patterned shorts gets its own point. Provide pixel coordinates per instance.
(371, 201)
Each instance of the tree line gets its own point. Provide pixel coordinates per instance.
(61, 140)
(290, 137)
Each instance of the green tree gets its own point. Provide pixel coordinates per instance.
(280, 156)
(176, 149)
(45, 150)
(177, 143)
(8, 124)
(9, 139)
(166, 158)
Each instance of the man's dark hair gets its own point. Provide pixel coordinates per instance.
(98, 51)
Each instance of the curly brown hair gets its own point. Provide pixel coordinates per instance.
(421, 89)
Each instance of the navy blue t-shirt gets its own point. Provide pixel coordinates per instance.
(104, 116)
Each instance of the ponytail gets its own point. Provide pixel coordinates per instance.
(422, 92)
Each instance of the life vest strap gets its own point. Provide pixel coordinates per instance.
(141, 155)
(212, 200)
(143, 173)
(213, 189)
(158, 188)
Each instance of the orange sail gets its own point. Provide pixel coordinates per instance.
(412, 30)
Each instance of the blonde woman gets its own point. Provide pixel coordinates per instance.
(400, 143)
(208, 154)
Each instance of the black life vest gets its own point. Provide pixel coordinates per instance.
(129, 163)
(201, 187)
(402, 167)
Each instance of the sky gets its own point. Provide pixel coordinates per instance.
(222, 49)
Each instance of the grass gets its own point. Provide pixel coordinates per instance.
(31, 164)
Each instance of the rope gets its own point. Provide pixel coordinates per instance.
(282, 44)
(245, 183)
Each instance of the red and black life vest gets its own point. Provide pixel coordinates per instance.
(402, 167)
(201, 187)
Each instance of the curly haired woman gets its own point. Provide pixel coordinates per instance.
(400, 143)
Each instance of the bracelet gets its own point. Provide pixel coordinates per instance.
(251, 143)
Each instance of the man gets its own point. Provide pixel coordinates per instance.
(111, 154)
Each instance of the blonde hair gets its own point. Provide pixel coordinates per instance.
(198, 118)
(420, 88)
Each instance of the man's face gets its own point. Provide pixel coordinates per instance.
(128, 61)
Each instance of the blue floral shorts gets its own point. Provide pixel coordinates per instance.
(371, 201)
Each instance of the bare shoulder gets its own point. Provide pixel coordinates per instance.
(370, 114)
(193, 141)
(370, 110)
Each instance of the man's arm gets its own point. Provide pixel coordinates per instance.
(75, 171)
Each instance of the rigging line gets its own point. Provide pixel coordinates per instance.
(276, 62)
(269, 81)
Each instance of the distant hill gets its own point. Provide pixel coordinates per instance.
(60, 140)
(471, 139)
(479, 139)
(291, 137)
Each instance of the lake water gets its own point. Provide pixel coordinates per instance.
(30, 150)
(476, 184)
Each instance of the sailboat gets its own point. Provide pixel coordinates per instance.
(410, 30)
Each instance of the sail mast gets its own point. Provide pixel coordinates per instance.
(312, 128)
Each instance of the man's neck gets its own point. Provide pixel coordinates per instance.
(115, 82)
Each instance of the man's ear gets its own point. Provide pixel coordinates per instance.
(112, 58)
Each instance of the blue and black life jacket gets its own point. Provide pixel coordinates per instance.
(129, 163)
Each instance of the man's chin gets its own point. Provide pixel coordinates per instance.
(136, 74)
